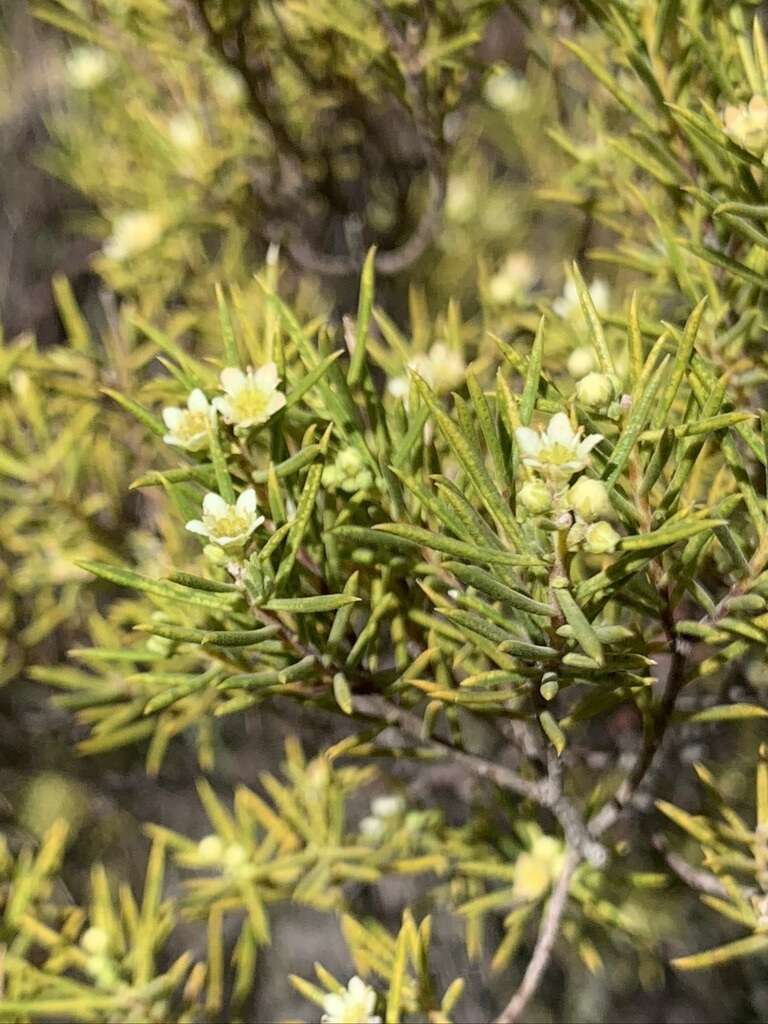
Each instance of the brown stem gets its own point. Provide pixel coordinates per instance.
(545, 942)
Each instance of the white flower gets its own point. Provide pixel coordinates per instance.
(132, 233)
(388, 806)
(508, 92)
(355, 1005)
(560, 451)
(568, 303)
(514, 277)
(86, 67)
(188, 428)
(581, 362)
(226, 524)
(184, 131)
(443, 368)
(747, 125)
(250, 397)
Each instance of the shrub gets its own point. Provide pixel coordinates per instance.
(518, 546)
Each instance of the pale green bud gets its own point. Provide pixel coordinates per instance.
(601, 539)
(210, 848)
(581, 362)
(595, 390)
(549, 686)
(589, 499)
(95, 941)
(535, 497)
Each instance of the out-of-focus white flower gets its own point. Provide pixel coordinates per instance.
(249, 398)
(747, 124)
(188, 428)
(372, 828)
(227, 524)
(86, 67)
(133, 233)
(514, 278)
(388, 806)
(508, 92)
(442, 368)
(567, 304)
(184, 131)
(559, 451)
(353, 1005)
(581, 362)
(227, 85)
(460, 199)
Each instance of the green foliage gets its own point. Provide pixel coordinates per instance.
(505, 537)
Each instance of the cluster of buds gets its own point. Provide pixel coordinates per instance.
(386, 811)
(556, 455)
(747, 125)
(348, 472)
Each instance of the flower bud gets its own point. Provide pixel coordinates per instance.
(589, 499)
(210, 848)
(535, 497)
(95, 941)
(601, 539)
(581, 362)
(595, 390)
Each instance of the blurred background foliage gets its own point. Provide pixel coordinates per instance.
(155, 148)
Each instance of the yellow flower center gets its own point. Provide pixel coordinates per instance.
(230, 524)
(191, 425)
(249, 404)
(557, 454)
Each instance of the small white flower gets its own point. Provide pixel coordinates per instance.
(86, 67)
(747, 125)
(372, 828)
(443, 368)
(508, 92)
(559, 452)
(188, 428)
(514, 278)
(568, 303)
(133, 233)
(388, 806)
(581, 362)
(355, 1005)
(226, 524)
(184, 131)
(250, 398)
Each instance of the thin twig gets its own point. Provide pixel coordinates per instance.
(545, 941)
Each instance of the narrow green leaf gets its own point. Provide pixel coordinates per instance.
(583, 632)
(364, 307)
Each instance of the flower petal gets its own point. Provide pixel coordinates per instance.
(197, 402)
(266, 377)
(528, 441)
(246, 503)
(560, 430)
(589, 442)
(172, 416)
(232, 379)
(214, 505)
(195, 526)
